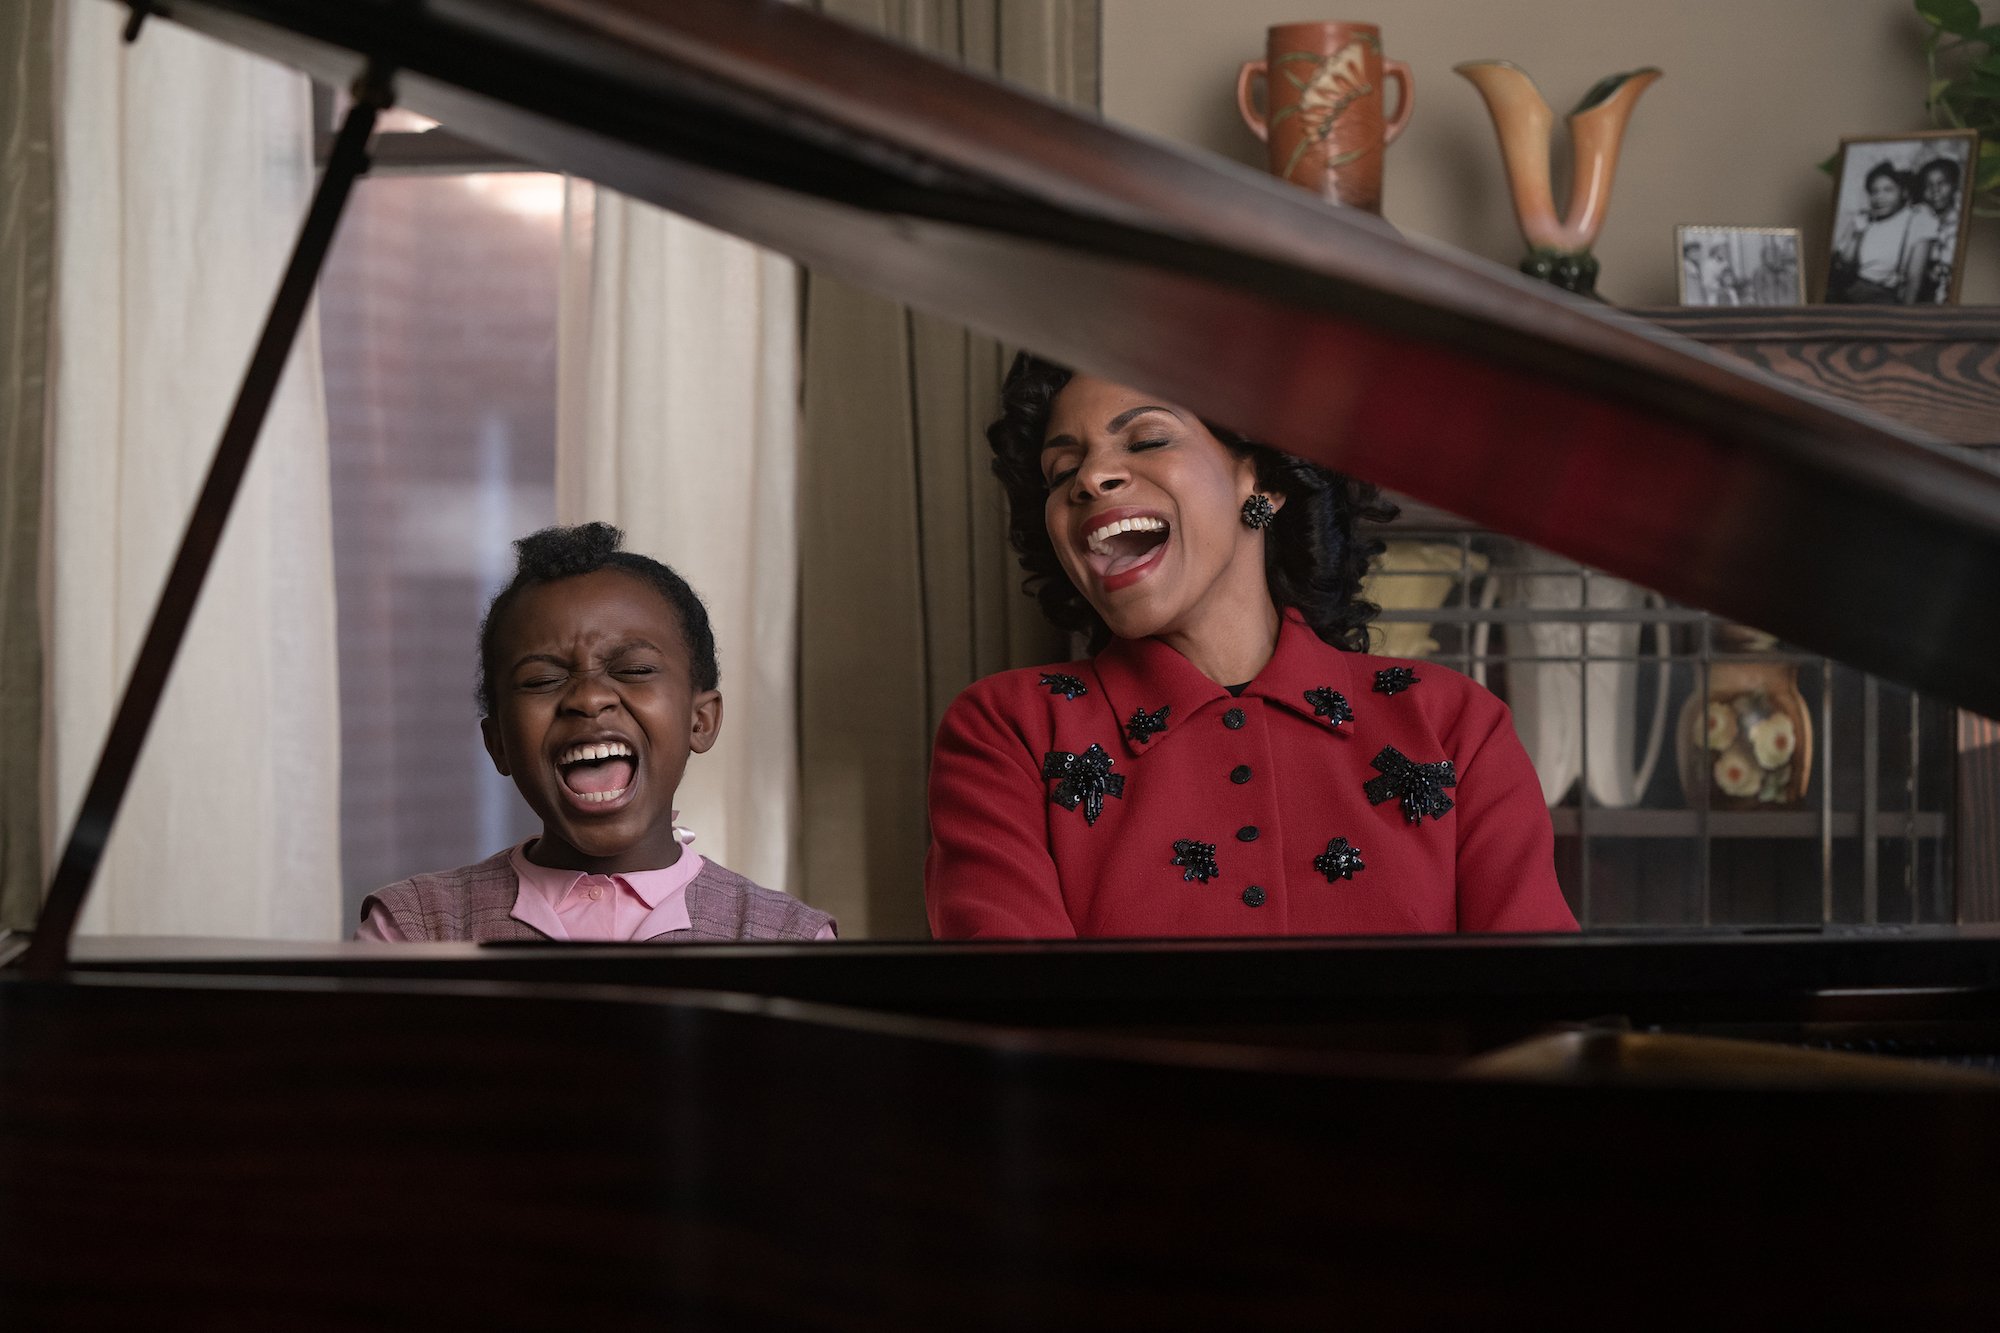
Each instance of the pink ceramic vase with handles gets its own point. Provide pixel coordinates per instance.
(1323, 113)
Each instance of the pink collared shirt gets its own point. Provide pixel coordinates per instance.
(568, 905)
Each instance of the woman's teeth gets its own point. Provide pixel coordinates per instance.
(1099, 540)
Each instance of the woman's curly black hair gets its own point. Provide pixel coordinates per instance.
(566, 553)
(1313, 559)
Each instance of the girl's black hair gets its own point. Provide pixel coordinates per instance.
(1313, 559)
(566, 553)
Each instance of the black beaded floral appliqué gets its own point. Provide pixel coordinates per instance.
(1330, 704)
(1086, 780)
(1420, 787)
(1069, 687)
(1144, 725)
(1339, 861)
(1394, 680)
(1198, 858)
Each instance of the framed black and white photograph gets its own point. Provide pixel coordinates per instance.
(1740, 265)
(1899, 219)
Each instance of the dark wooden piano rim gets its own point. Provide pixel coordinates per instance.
(1672, 979)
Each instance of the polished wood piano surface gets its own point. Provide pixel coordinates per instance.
(1640, 1130)
(1191, 1135)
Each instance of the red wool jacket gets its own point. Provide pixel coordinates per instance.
(1130, 795)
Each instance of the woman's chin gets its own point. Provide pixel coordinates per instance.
(1132, 614)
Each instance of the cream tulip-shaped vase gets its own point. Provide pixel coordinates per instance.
(1558, 245)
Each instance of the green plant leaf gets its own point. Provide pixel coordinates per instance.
(1986, 172)
(1831, 165)
(1959, 17)
(1963, 92)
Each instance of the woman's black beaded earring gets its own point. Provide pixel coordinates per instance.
(1258, 511)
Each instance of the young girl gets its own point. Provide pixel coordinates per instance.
(597, 681)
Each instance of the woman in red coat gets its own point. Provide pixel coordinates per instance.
(1230, 762)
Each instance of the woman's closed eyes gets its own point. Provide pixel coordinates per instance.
(1062, 475)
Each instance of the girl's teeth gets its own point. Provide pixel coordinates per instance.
(600, 797)
(577, 754)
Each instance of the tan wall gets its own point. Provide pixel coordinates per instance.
(1756, 92)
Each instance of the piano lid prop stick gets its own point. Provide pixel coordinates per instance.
(141, 10)
(63, 904)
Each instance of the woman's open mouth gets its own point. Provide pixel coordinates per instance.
(598, 774)
(1125, 550)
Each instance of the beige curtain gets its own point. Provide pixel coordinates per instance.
(183, 169)
(27, 187)
(908, 590)
(678, 410)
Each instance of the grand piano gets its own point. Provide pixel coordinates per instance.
(1621, 1131)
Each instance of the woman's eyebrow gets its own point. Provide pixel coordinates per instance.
(1124, 419)
(1111, 427)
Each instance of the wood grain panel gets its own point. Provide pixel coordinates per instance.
(1935, 369)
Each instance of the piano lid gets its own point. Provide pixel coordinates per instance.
(1431, 372)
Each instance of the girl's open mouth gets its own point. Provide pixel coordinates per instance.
(597, 774)
(1124, 551)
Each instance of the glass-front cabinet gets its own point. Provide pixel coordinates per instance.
(1697, 772)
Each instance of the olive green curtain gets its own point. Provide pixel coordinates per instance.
(27, 210)
(908, 589)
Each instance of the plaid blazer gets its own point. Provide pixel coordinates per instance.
(476, 902)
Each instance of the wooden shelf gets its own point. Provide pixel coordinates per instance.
(1936, 368)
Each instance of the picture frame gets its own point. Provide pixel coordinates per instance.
(1740, 266)
(1900, 218)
